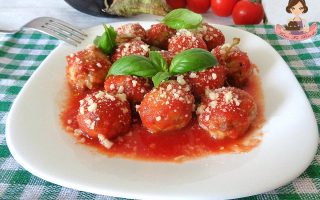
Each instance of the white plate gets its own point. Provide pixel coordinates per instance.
(38, 142)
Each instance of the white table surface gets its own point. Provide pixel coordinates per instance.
(15, 13)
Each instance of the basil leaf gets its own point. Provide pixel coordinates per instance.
(107, 41)
(160, 77)
(158, 61)
(182, 19)
(133, 65)
(192, 60)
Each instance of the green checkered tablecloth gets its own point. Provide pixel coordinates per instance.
(22, 53)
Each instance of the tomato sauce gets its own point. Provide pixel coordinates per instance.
(188, 143)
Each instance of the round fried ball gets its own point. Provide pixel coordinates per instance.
(211, 78)
(184, 40)
(226, 112)
(134, 87)
(130, 31)
(159, 34)
(167, 108)
(87, 69)
(105, 114)
(237, 62)
(212, 36)
(134, 47)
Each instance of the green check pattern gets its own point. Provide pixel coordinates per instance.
(22, 53)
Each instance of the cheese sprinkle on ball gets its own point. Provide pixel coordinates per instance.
(226, 112)
(87, 68)
(134, 87)
(185, 40)
(130, 31)
(211, 78)
(134, 47)
(167, 108)
(104, 114)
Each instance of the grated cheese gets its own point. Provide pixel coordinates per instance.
(92, 107)
(181, 80)
(122, 97)
(214, 76)
(158, 118)
(99, 95)
(193, 75)
(108, 96)
(112, 87)
(134, 83)
(169, 87)
(120, 89)
(77, 132)
(213, 104)
(99, 65)
(92, 125)
(228, 97)
(104, 141)
(145, 47)
(184, 32)
(81, 110)
(236, 101)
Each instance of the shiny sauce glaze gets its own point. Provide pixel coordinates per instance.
(188, 143)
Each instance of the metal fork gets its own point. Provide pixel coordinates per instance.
(56, 28)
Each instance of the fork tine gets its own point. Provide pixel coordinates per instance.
(68, 26)
(66, 30)
(58, 29)
(67, 33)
(58, 35)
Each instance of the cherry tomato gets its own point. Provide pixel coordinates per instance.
(198, 6)
(247, 12)
(222, 8)
(174, 4)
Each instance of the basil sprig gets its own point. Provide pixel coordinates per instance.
(192, 60)
(160, 77)
(156, 66)
(158, 61)
(133, 65)
(182, 19)
(107, 41)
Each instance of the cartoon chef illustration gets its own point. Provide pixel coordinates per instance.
(297, 28)
(297, 25)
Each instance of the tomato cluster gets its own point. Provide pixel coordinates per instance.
(211, 96)
(242, 11)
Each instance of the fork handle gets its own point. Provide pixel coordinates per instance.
(8, 31)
